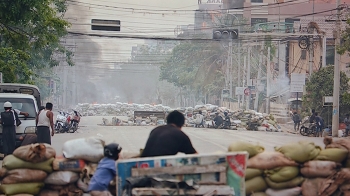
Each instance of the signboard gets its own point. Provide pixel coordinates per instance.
(225, 93)
(235, 172)
(328, 101)
(297, 83)
(239, 90)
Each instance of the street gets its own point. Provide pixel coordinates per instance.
(132, 138)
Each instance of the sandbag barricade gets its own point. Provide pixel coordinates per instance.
(25, 171)
(300, 168)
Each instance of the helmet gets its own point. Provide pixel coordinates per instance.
(112, 150)
(7, 104)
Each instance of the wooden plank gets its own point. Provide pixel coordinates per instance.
(193, 169)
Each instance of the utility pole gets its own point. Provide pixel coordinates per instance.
(230, 67)
(239, 72)
(311, 55)
(268, 77)
(248, 79)
(324, 50)
(256, 103)
(335, 118)
(244, 78)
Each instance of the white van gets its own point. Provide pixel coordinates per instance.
(25, 98)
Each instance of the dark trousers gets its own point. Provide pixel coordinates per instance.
(43, 134)
(9, 139)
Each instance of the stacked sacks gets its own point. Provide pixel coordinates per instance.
(261, 163)
(24, 172)
(73, 169)
(326, 177)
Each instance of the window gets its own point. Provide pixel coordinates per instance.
(254, 21)
(22, 104)
(330, 50)
(303, 54)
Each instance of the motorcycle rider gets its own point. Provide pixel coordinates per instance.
(347, 123)
(227, 122)
(217, 120)
(199, 119)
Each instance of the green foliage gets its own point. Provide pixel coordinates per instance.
(33, 28)
(345, 44)
(13, 66)
(194, 65)
(320, 85)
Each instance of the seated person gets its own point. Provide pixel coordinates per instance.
(169, 139)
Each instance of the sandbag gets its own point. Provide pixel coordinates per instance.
(62, 178)
(300, 152)
(47, 192)
(331, 184)
(89, 149)
(24, 176)
(35, 153)
(62, 164)
(285, 185)
(270, 160)
(86, 175)
(342, 143)
(70, 189)
(319, 169)
(259, 194)
(128, 155)
(11, 162)
(310, 187)
(256, 184)
(251, 173)
(286, 192)
(332, 154)
(245, 146)
(21, 188)
(282, 174)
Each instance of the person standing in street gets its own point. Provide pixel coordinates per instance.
(44, 121)
(297, 120)
(347, 123)
(9, 121)
(319, 124)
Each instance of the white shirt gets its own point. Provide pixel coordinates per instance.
(43, 120)
(199, 118)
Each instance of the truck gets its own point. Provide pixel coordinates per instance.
(25, 98)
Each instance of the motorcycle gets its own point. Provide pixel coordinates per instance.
(64, 123)
(60, 121)
(307, 128)
(75, 120)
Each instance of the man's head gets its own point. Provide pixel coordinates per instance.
(49, 106)
(7, 105)
(200, 112)
(313, 111)
(225, 113)
(176, 118)
(112, 151)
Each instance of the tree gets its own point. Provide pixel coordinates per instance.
(320, 85)
(30, 33)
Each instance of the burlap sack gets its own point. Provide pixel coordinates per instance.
(35, 153)
(270, 160)
(23, 176)
(319, 169)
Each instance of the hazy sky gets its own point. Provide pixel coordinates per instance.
(134, 21)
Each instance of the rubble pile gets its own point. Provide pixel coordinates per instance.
(117, 109)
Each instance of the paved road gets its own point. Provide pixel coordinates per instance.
(132, 138)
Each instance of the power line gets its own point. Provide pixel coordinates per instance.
(174, 10)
